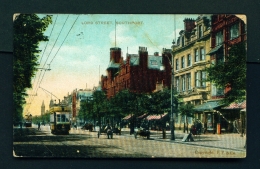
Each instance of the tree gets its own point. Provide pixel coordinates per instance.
(28, 32)
(99, 107)
(186, 110)
(231, 74)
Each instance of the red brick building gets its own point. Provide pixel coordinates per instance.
(138, 73)
(226, 30)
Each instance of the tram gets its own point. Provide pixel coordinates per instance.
(59, 119)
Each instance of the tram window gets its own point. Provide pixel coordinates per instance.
(63, 117)
(58, 117)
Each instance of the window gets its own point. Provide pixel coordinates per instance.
(182, 62)
(196, 55)
(200, 78)
(197, 79)
(219, 38)
(189, 60)
(177, 64)
(202, 54)
(188, 81)
(183, 82)
(234, 31)
(200, 31)
(203, 78)
(177, 84)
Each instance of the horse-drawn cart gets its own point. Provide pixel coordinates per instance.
(141, 132)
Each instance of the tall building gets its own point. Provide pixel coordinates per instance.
(42, 108)
(190, 61)
(138, 73)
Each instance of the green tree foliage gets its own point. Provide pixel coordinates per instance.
(186, 110)
(99, 105)
(124, 102)
(28, 33)
(231, 74)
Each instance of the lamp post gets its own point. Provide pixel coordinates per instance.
(172, 103)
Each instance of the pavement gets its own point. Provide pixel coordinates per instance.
(230, 141)
(225, 141)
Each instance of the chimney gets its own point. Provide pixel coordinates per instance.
(189, 24)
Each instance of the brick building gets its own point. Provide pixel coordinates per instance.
(139, 72)
(226, 31)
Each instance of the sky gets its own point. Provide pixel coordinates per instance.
(78, 50)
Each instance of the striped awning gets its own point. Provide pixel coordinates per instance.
(142, 116)
(127, 117)
(234, 105)
(156, 117)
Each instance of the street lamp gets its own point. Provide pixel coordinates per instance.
(172, 103)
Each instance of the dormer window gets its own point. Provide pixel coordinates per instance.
(182, 41)
(200, 31)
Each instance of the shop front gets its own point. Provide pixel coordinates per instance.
(207, 113)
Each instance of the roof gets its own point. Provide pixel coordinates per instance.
(127, 117)
(208, 106)
(154, 62)
(156, 117)
(235, 105)
(142, 116)
(214, 50)
(112, 65)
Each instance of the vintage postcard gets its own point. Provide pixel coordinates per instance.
(129, 85)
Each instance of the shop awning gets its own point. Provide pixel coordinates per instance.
(234, 105)
(208, 106)
(142, 116)
(127, 117)
(214, 50)
(156, 117)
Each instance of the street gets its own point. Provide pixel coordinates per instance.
(29, 142)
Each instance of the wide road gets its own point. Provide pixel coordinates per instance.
(29, 142)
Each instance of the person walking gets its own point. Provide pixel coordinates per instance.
(39, 125)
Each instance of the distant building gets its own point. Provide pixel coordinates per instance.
(138, 73)
(42, 108)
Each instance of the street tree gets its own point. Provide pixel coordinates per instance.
(28, 33)
(186, 110)
(231, 74)
(99, 99)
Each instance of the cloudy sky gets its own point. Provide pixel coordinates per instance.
(79, 44)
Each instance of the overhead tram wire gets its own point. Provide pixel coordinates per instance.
(52, 49)
(48, 57)
(64, 39)
(44, 51)
(58, 49)
(30, 98)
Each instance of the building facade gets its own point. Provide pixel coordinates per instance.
(190, 61)
(226, 30)
(138, 73)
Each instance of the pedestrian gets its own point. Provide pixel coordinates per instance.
(235, 125)
(39, 125)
